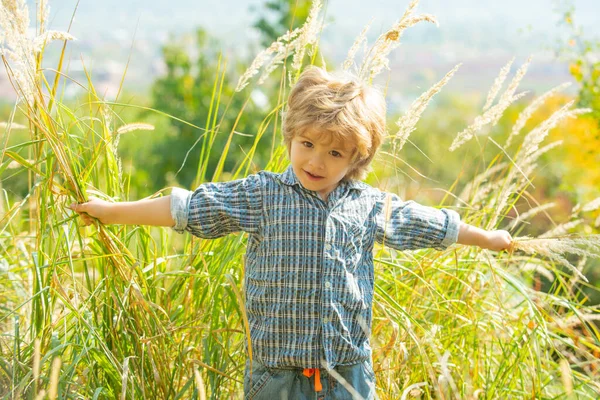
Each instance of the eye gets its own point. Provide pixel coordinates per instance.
(336, 153)
(307, 144)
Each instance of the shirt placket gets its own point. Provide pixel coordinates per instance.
(327, 287)
(327, 290)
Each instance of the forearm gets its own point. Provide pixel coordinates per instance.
(153, 212)
(472, 236)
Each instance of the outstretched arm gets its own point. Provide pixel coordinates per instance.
(492, 240)
(154, 212)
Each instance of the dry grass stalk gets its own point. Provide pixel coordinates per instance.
(497, 84)
(36, 360)
(413, 390)
(41, 395)
(308, 35)
(592, 205)
(377, 58)
(579, 319)
(530, 109)
(408, 121)
(11, 125)
(362, 38)
(537, 135)
(479, 179)
(138, 126)
(17, 22)
(561, 229)
(531, 213)
(17, 47)
(579, 267)
(54, 375)
(490, 117)
(276, 61)
(42, 14)
(341, 380)
(124, 378)
(554, 248)
(499, 203)
(40, 42)
(482, 193)
(280, 48)
(294, 42)
(16, 164)
(529, 165)
(566, 376)
(323, 63)
(575, 210)
(199, 384)
(512, 87)
(540, 269)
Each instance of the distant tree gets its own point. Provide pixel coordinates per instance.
(185, 91)
(276, 17)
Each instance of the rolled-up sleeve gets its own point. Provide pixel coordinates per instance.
(407, 225)
(217, 209)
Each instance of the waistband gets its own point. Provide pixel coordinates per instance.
(316, 372)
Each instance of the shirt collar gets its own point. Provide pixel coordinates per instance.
(289, 178)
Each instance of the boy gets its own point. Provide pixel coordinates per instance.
(309, 262)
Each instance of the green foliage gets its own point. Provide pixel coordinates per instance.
(200, 91)
(280, 16)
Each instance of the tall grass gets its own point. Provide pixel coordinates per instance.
(133, 312)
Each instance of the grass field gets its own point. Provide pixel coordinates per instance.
(135, 312)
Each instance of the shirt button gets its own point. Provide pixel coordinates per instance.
(325, 320)
(327, 284)
(327, 247)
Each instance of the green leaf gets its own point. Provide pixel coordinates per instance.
(23, 162)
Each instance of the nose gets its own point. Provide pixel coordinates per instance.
(316, 161)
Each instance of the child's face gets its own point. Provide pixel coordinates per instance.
(319, 165)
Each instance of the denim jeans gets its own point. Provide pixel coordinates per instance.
(291, 384)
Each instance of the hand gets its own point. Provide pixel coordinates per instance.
(94, 208)
(498, 240)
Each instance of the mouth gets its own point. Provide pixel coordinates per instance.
(313, 177)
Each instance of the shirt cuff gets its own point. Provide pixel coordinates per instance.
(180, 206)
(452, 228)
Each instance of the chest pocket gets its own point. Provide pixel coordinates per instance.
(357, 243)
(353, 218)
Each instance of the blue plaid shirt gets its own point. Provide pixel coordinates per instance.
(309, 264)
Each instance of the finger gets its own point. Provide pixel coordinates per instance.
(78, 208)
(511, 247)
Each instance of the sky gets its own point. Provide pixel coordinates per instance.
(232, 17)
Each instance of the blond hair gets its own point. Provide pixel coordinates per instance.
(339, 105)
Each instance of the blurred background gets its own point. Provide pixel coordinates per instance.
(482, 34)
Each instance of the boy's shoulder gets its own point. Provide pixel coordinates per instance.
(265, 177)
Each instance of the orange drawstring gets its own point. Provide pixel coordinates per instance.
(308, 372)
